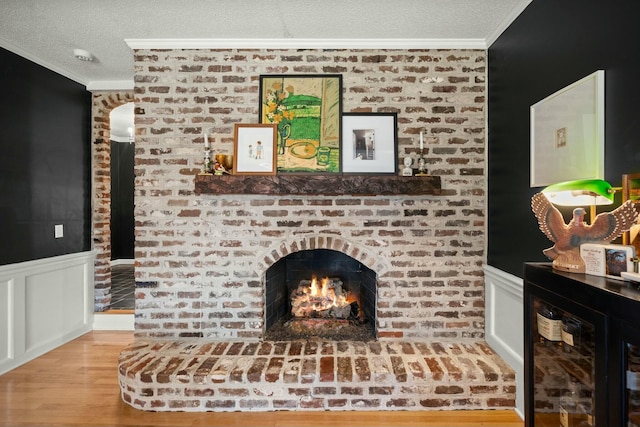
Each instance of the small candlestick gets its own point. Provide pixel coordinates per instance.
(207, 161)
(421, 166)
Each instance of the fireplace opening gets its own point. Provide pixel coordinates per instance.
(320, 293)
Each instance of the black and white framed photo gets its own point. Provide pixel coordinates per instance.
(369, 143)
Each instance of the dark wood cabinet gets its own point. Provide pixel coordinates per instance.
(582, 349)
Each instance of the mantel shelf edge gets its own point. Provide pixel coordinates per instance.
(313, 185)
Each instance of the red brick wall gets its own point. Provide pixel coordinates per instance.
(201, 259)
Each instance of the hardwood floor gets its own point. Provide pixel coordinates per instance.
(77, 385)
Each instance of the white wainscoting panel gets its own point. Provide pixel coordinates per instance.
(504, 323)
(6, 318)
(44, 304)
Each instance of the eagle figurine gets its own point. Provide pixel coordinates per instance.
(565, 253)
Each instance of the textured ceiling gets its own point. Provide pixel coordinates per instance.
(47, 31)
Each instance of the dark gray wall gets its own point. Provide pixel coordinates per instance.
(551, 45)
(122, 189)
(45, 122)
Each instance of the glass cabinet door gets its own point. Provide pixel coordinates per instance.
(564, 368)
(566, 363)
(632, 386)
(627, 389)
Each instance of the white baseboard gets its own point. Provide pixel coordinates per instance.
(113, 322)
(122, 262)
(504, 323)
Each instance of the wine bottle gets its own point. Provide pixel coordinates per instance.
(549, 325)
(571, 414)
(571, 328)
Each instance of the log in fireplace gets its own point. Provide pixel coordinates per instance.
(320, 293)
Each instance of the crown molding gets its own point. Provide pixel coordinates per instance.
(290, 43)
(20, 52)
(507, 21)
(98, 85)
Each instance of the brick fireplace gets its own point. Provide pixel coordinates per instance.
(202, 258)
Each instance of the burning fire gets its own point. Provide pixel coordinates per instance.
(324, 298)
(325, 295)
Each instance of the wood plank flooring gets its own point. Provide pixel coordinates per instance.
(77, 385)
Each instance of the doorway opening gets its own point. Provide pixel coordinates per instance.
(122, 207)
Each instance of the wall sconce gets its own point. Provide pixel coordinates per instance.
(567, 238)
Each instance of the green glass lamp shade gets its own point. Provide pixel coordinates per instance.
(583, 192)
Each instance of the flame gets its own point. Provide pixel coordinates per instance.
(317, 297)
(322, 290)
(325, 297)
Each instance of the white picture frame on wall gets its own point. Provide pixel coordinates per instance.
(567, 133)
(369, 143)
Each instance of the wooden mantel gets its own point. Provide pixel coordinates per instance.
(311, 185)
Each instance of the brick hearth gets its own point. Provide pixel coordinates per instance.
(193, 375)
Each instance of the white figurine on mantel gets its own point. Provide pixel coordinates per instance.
(407, 171)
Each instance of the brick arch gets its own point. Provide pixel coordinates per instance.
(336, 243)
(102, 105)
